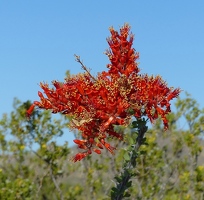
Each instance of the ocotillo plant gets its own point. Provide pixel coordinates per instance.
(114, 97)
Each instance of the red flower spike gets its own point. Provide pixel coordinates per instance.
(91, 140)
(99, 145)
(97, 151)
(107, 123)
(81, 142)
(81, 146)
(107, 146)
(96, 104)
(80, 156)
(30, 110)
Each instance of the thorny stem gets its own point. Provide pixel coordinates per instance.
(83, 66)
(127, 169)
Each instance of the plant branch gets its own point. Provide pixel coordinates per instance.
(56, 184)
(127, 174)
(83, 66)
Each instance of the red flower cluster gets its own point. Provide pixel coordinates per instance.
(96, 104)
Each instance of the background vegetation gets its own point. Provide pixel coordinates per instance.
(34, 166)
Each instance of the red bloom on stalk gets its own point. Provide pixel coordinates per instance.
(96, 104)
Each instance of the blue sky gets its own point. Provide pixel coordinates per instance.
(39, 38)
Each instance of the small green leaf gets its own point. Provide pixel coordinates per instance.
(131, 141)
(127, 194)
(118, 179)
(126, 156)
(134, 124)
(129, 184)
(114, 189)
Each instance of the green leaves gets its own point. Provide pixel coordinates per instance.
(127, 156)
(123, 181)
(167, 165)
(21, 156)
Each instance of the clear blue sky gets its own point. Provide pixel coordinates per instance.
(39, 38)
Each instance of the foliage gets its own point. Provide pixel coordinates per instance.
(169, 165)
(29, 154)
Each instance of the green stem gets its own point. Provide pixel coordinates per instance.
(128, 167)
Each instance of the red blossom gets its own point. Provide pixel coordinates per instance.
(95, 104)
